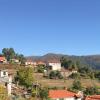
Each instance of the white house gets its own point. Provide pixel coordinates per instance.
(54, 65)
(5, 79)
(3, 60)
(30, 62)
(15, 61)
(3, 73)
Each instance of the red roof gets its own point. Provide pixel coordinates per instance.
(2, 58)
(60, 94)
(94, 97)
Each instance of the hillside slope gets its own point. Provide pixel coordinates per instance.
(92, 60)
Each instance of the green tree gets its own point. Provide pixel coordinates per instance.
(68, 64)
(72, 66)
(25, 76)
(41, 68)
(44, 93)
(77, 85)
(55, 74)
(97, 74)
(75, 76)
(9, 53)
(21, 58)
(52, 75)
(91, 91)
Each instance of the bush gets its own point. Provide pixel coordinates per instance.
(25, 76)
(55, 75)
(40, 68)
(77, 85)
(74, 76)
(91, 91)
(43, 93)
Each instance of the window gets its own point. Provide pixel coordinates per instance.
(4, 73)
(61, 99)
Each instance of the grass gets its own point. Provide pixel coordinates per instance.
(64, 83)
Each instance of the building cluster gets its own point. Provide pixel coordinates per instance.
(3, 60)
(6, 80)
(53, 65)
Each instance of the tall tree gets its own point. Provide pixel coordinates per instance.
(21, 58)
(68, 64)
(25, 76)
(77, 85)
(9, 53)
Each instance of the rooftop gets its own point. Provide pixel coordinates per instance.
(60, 94)
(93, 97)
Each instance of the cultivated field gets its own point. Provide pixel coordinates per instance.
(64, 83)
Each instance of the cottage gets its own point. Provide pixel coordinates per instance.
(3, 60)
(54, 65)
(30, 62)
(63, 95)
(3, 73)
(15, 61)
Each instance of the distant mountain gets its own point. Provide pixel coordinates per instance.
(91, 60)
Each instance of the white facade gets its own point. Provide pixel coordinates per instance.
(15, 60)
(3, 73)
(55, 66)
(9, 84)
(70, 98)
(4, 78)
(30, 63)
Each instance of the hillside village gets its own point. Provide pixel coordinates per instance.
(22, 78)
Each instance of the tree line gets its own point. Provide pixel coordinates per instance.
(9, 53)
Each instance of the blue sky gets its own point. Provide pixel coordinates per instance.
(37, 27)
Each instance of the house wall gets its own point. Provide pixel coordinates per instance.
(64, 98)
(79, 99)
(29, 63)
(55, 66)
(9, 84)
(3, 74)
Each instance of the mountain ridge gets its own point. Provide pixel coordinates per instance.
(87, 60)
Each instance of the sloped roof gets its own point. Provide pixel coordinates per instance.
(60, 94)
(93, 97)
(2, 58)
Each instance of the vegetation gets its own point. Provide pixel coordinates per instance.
(97, 74)
(41, 68)
(10, 54)
(77, 85)
(75, 76)
(25, 76)
(68, 64)
(3, 93)
(91, 91)
(43, 93)
(55, 75)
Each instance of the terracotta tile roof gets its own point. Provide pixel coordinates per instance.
(2, 58)
(94, 97)
(60, 94)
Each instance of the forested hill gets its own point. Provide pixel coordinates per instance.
(91, 60)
